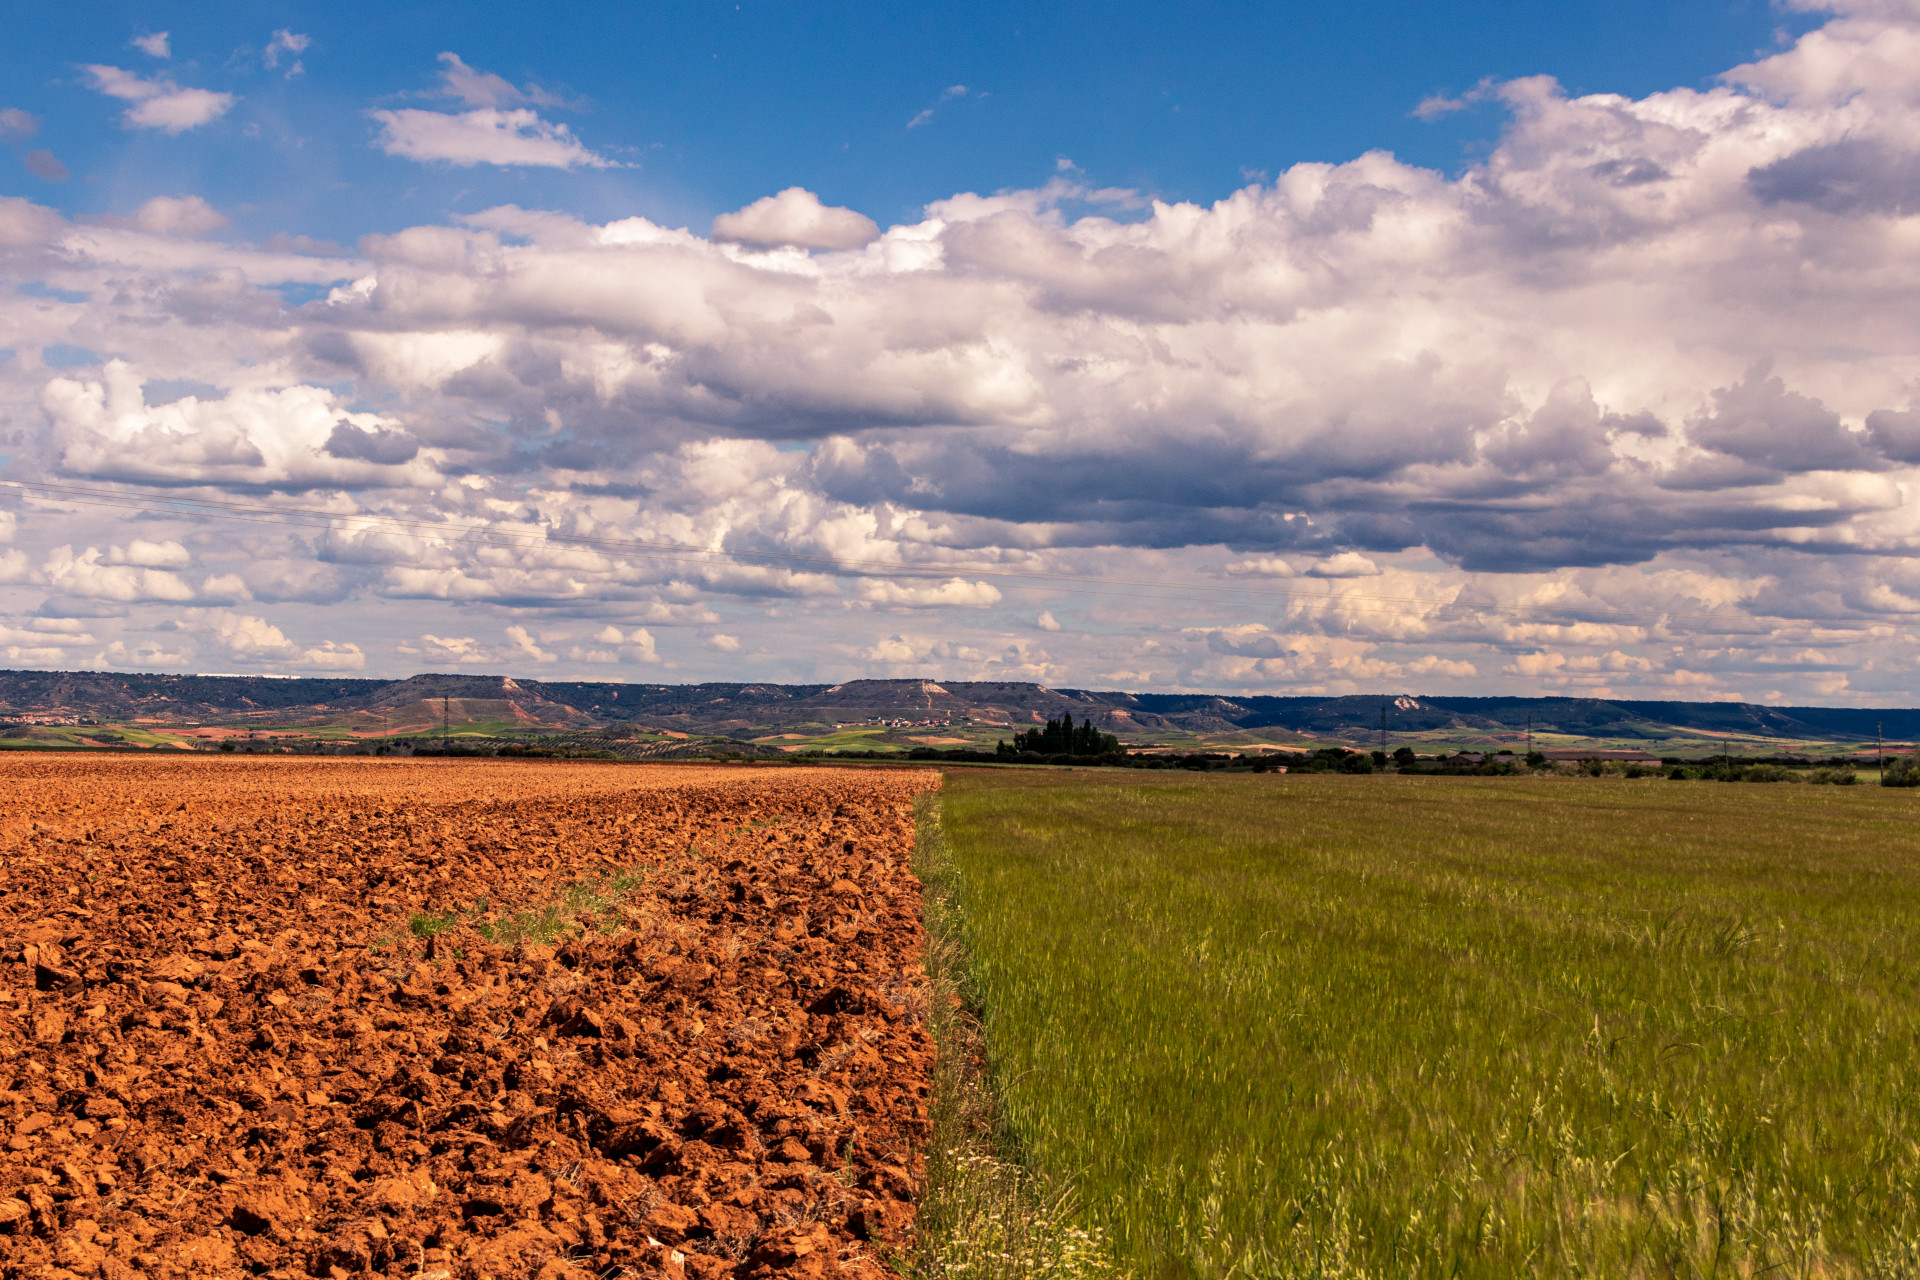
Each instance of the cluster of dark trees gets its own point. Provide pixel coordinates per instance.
(1062, 738)
(1199, 760)
(1405, 761)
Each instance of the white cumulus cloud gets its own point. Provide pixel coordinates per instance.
(795, 217)
(150, 555)
(499, 127)
(174, 216)
(1637, 386)
(485, 135)
(254, 640)
(913, 595)
(634, 646)
(158, 102)
(446, 650)
(287, 44)
(527, 647)
(1348, 564)
(89, 575)
(296, 436)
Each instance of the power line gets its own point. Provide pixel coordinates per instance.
(446, 531)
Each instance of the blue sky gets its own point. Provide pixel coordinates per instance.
(713, 105)
(1450, 349)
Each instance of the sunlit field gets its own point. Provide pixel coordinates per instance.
(1307, 1026)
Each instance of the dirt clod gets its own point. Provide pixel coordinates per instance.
(456, 1019)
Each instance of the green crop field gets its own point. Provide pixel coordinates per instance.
(1385, 1026)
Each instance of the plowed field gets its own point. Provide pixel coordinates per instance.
(456, 1019)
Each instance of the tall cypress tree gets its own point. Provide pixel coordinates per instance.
(1063, 737)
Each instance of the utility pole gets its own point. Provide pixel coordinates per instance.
(1880, 751)
(1529, 733)
(1383, 726)
(446, 742)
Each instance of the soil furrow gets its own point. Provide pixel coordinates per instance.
(457, 1019)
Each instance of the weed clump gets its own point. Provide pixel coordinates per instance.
(563, 913)
(426, 926)
(570, 908)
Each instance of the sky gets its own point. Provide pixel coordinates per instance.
(1493, 348)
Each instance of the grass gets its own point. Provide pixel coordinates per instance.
(559, 915)
(545, 923)
(426, 926)
(1384, 1026)
(981, 1216)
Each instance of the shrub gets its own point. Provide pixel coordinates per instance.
(1337, 760)
(1902, 771)
(1833, 777)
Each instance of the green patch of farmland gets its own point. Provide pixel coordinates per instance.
(855, 739)
(1398, 1026)
(84, 737)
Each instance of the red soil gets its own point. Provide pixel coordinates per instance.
(223, 1053)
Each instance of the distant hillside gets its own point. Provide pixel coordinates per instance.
(731, 708)
(117, 696)
(1586, 716)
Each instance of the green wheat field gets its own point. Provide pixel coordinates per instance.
(1385, 1026)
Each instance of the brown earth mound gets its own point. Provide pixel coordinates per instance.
(282, 1017)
